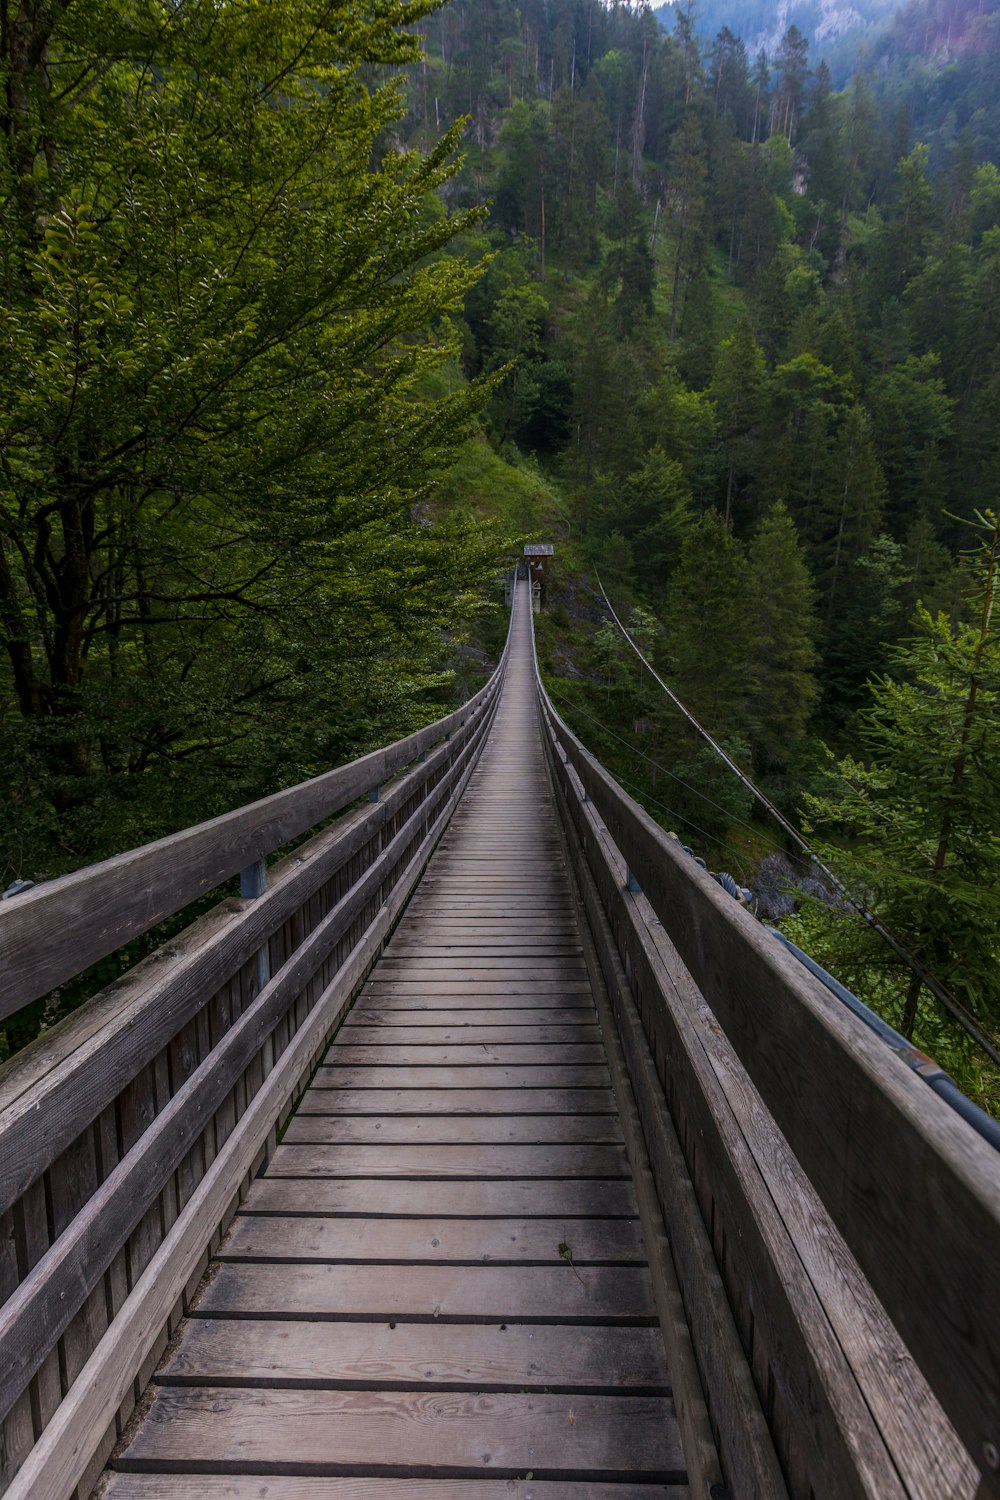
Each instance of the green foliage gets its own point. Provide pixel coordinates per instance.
(922, 812)
(868, 619)
(214, 341)
(912, 419)
(737, 344)
(657, 510)
(782, 629)
(738, 390)
(758, 357)
(709, 626)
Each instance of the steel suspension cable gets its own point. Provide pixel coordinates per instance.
(954, 1007)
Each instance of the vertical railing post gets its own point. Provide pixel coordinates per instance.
(253, 883)
(374, 795)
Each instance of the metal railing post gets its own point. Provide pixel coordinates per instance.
(253, 883)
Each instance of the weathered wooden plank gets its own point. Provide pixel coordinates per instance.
(334, 1430)
(541, 1198)
(520, 1356)
(472, 905)
(424, 1014)
(16, 1431)
(337, 1073)
(475, 950)
(526, 934)
(482, 992)
(433, 1240)
(432, 894)
(465, 1034)
(71, 1181)
(31, 1235)
(482, 1055)
(502, 886)
(500, 867)
(286, 1487)
(538, 977)
(509, 1293)
(553, 922)
(405, 1102)
(475, 1162)
(464, 1130)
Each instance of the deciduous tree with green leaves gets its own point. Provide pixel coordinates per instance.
(217, 283)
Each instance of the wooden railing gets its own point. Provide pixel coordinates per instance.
(129, 1133)
(834, 1226)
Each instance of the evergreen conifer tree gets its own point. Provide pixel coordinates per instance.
(923, 811)
(782, 627)
(709, 628)
(739, 385)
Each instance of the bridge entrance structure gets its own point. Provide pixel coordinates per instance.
(595, 1195)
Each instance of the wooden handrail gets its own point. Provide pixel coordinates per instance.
(50, 1092)
(860, 1152)
(56, 930)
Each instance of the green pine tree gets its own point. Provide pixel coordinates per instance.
(739, 385)
(782, 627)
(709, 627)
(922, 813)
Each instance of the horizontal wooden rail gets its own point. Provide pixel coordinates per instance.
(855, 1218)
(129, 1132)
(56, 930)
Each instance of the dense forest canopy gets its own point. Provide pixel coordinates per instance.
(837, 29)
(222, 302)
(757, 369)
(710, 322)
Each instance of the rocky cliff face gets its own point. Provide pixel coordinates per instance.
(762, 23)
(825, 22)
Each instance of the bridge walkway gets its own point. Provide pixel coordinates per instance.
(439, 1286)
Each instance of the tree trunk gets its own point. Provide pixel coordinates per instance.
(675, 296)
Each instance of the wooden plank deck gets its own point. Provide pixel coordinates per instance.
(439, 1287)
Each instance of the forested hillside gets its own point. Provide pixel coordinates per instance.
(939, 61)
(283, 381)
(839, 28)
(935, 59)
(755, 362)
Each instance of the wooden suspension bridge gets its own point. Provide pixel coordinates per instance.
(481, 1147)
